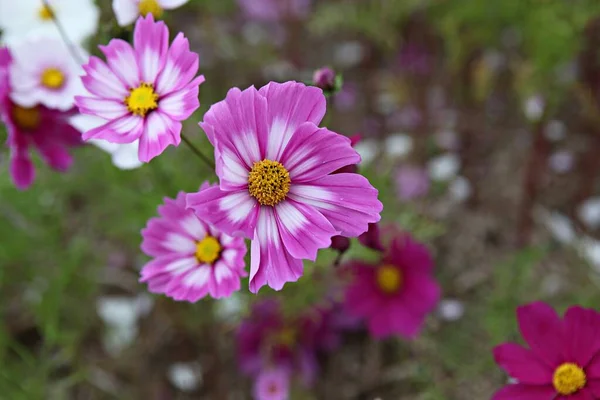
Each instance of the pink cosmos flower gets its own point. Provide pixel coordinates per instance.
(276, 184)
(142, 92)
(395, 295)
(44, 72)
(45, 129)
(127, 11)
(411, 182)
(562, 361)
(191, 258)
(273, 384)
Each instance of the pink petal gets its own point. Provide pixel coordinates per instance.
(55, 155)
(404, 321)
(525, 392)
(582, 333)
(583, 394)
(122, 130)
(594, 387)
(421, 293)
(160, 131)
(410, 254)
(121, 60)
(22, 171)
(347, 200)
(312, 153)
(303, 229)
(101, 81)
(542, 329)
(151, 43)
(100, 107)
(522, 364)
(290, 105)
(234, 213)
(181, 104)
(180, 67)
(270, 263)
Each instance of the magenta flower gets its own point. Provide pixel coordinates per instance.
(272, 384)
(324, 78)
(142, 92)
(191, 258)
(276, 184)
(395, 295)
(47, 130)
(562, 361)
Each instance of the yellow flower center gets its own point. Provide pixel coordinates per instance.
(150, 7)
(142, 99)
(389, 278)
(208, 250)
(26, 118)
(45, 13)
(53, 78)
(568, 379)
(269, 182)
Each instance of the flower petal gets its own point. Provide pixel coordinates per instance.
(122, 130)
(151, 43)
(181, 104)
(101, 107)
(22, 170)
(522, 364)
(290, 105)
(582, 334)
(126, 11)
(101, 80)
(160, 131)
(120, 58)
(347, 200)
(181, 65)
(313, 153)
(542, 329)
(525, 392)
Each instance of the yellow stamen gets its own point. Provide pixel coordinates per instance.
(150, 7)
(208, 250)
(389, 278)
(45, 13)
(568, 378)
(142, 100)
(269, 182)
(26, 118)
(53, 78)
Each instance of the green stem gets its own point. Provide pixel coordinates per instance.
(197, 151)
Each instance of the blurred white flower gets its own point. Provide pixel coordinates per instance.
(460, 189)
(367, 149)
(555, 130)
(185, 376)
(561, 162)
(444, 167)
(451, 309)
(589, 212)
(560, 226)
(349, 54)
(124, 156)
(398, 145)
(20, 18)
(589, 249)
(534, 108)
(229, 308)
(127, 11)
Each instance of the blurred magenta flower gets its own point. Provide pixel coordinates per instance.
(191, 258)
(372, 238)
(411, 182)
(127, 11)
(275, 168)
(346, 98)
(562, 361)
(275, 10)
(273, 384)
(340, 243)
(144, 91)
(395, 295)
(324, 78)
(415, 59)
(45, 129)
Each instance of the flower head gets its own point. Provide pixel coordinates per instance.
(562, 359)
(395, 295)
(45, 129)
(276, 184)
(127, 11)
(44, 72)
(191, 258)
(142, 92)
(272, 384)
(22, 18)
(325, 78)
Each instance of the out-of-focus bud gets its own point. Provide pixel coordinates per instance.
(326, 79)
(372, 238)
(340, 243)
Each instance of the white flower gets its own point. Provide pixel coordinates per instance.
(124, 156)
(367, 149)
(444, 167)
(451, 309)
(559, 226)
(534, 107)
(185, 376)
(44, 72)
(589, 249)
(589, 212)
(127, 11)
(19, 18)
(460, 189)
(398, 145)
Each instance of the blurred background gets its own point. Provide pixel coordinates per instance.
(480, 126)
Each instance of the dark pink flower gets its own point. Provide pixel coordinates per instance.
(324, 78)
(563, 358)
(372, 238)
(273, 384)
(395, 295)
(42, 128)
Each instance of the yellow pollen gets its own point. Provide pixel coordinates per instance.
(389, 278)
(268, 182)
(45, 13)
(568, 378)
(150, 7)
(26, 118)
(53, 78)
(142, 100)
(208, 250)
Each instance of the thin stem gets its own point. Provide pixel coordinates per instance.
(197, 151)
(72, 48)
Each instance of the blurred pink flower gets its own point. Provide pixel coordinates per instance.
(273, 384)
(411, 182)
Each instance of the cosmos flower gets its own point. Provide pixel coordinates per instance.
(191, 258)
(124, 156)
(127, 11)
(142, 92)
(411, 182)
(272, 384)
(276, 184)
(562, 359)
(395, 295)
(22, 18)
(45, 129)
(44, 72)
(275, 10)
